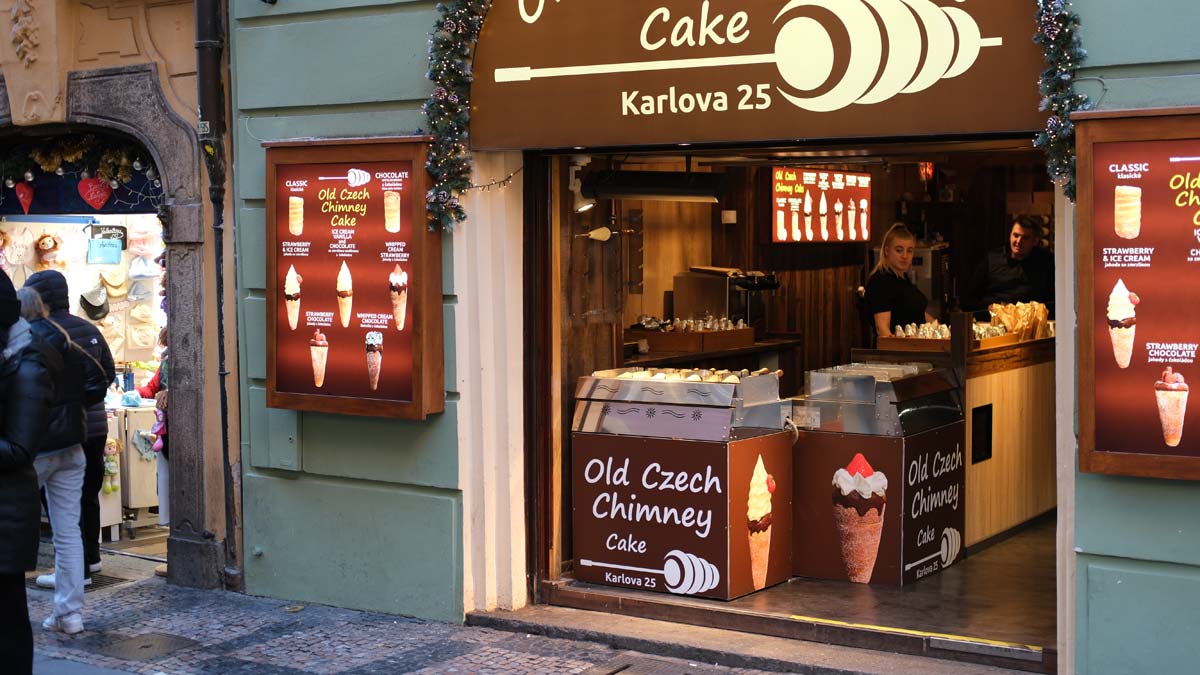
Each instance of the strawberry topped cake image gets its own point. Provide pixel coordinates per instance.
(859, 500)
(1171, 394)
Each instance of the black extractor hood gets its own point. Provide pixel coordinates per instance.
(667, 186)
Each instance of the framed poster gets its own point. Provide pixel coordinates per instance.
(354, 280)
(819, 205)
(1139, 245)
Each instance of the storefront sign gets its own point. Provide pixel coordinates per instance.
(674, 516)
(810, 205)
(647, 72)
(1142, 205)
(354, 281)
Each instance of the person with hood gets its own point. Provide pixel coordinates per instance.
(69, 473)
(27, 372)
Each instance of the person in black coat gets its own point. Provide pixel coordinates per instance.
(891, 299)
(27, 371)
(99, 372)
(1022, 271)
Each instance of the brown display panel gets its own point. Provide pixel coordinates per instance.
(1121, 430)
(649, 72)
(328, 203)
(796, 215)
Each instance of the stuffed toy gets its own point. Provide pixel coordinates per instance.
(46, 247)
(112, 466)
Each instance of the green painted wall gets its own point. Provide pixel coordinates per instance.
(1138, 602)
(347, 511)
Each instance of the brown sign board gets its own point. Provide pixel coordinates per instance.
(923, 514)
(1139, 243)
(656, 72)
(671, 515)
(354, 322)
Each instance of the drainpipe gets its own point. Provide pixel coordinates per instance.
(210, 45)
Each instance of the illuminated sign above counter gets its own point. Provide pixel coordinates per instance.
(819, 205)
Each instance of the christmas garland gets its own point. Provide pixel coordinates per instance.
(1058, 34)
(451, 48)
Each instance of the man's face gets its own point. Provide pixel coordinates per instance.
(1021, 242)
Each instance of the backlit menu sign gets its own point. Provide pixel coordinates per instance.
(1146, 217)
(819, 205)
(348, 262)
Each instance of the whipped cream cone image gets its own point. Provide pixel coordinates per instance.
(1127, 211)
(781, 232)
(296, 216)
(797, 235)
(1122, 322)
(291, 296)
(759, 518)
(862, 212)
(374, 357)
(391, 211)
(859, 502)
(808, 231)
(318, 348)
(398, 289)
(837, 222)
(345, 295)
(1171, 394)
(824, 218)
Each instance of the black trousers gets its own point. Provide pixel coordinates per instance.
(16, 637)
(89, 501)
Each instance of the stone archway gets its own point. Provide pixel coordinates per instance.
(130, 99)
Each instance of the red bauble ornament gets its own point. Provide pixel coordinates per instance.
(24, 195)
(95, 192)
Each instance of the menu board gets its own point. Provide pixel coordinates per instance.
(818, 205)
(348, 261)
(1146, 218)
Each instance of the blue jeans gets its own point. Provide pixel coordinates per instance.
(61, 473)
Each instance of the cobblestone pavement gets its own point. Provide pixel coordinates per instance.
(230, 633)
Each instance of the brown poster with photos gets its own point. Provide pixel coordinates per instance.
(819, 205)
(353, 281)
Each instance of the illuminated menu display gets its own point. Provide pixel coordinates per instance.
(818, 205)
(1147, 253)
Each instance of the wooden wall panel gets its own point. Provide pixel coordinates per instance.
(676, 236)
(1018, 482)
(818, 307)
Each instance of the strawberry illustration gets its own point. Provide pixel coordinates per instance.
(770, 484)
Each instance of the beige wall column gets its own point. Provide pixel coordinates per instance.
(1067, 416)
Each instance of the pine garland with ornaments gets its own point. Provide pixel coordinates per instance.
(451, 48)
(1058, 34)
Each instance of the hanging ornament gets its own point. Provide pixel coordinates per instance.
(95, 192)
(114, 184)
(59, 171)
(150, 174)
(84, 174)
(9, 183)
(28, 176)
(137, 165)
(25, 196)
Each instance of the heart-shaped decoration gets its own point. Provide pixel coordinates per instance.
(95, 192)
(24, 195)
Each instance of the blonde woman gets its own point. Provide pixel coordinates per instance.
(891, 298)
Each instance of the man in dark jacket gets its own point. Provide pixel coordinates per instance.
(27, 369)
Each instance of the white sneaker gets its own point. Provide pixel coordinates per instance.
(47, 581)
(95, 567)
(69, 624)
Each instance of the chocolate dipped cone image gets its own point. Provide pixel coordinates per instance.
(824, 211)
(1171, 394)
(345, 295)
(1122, 322)
(374, 357)
(291, 296)
(758, 516)
(859, 501)
(318, 348)
(398, 289)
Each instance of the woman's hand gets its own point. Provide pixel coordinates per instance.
(883, 327)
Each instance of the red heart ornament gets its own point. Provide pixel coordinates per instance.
(95, 192)
(24, 195)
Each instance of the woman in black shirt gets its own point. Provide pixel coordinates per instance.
(891, 298)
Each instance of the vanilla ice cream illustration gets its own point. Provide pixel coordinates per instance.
(318, 348)
(374, 357)
(296, 216)
(808, 231)
(859, 501)
(758, 517)
(862, 212)
(291, 296)
(1171, 394)
(824, 211)
(1127, 211)
(391, 211)
(345, 294)
(837, 221)
(1122, 322)
(398, 289)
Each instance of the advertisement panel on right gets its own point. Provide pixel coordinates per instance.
(1146, 256)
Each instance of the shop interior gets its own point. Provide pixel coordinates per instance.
(85, 204)
(694, 245)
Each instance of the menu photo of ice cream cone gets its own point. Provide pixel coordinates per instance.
(398, 290)
(808, 231)
(374, 357)
(837, 221)
(291, 296)
(296, 216)
(391, 211)
(781, 232)
(345, 295)
(758, 517)
(1127, 211)
(1122, 322)
(1171, 395)
(318, 348)
(824, 211)
(859, 502)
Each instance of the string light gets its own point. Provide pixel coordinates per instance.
(499, 183)
(1058, 34)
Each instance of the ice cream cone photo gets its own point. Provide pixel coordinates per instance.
(391, 211)
(1122, 322)
(824, 218)
(374, 357)
(318, 348)
(296, 216)
(758, 517)
(808, 230)
(859, 503)
(291, 296)
(1127, 211)
(398, 289)
(781, 232)
(796, 233)
(837, 222)
(1171, 394)
(862, 212)
(345, 295)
